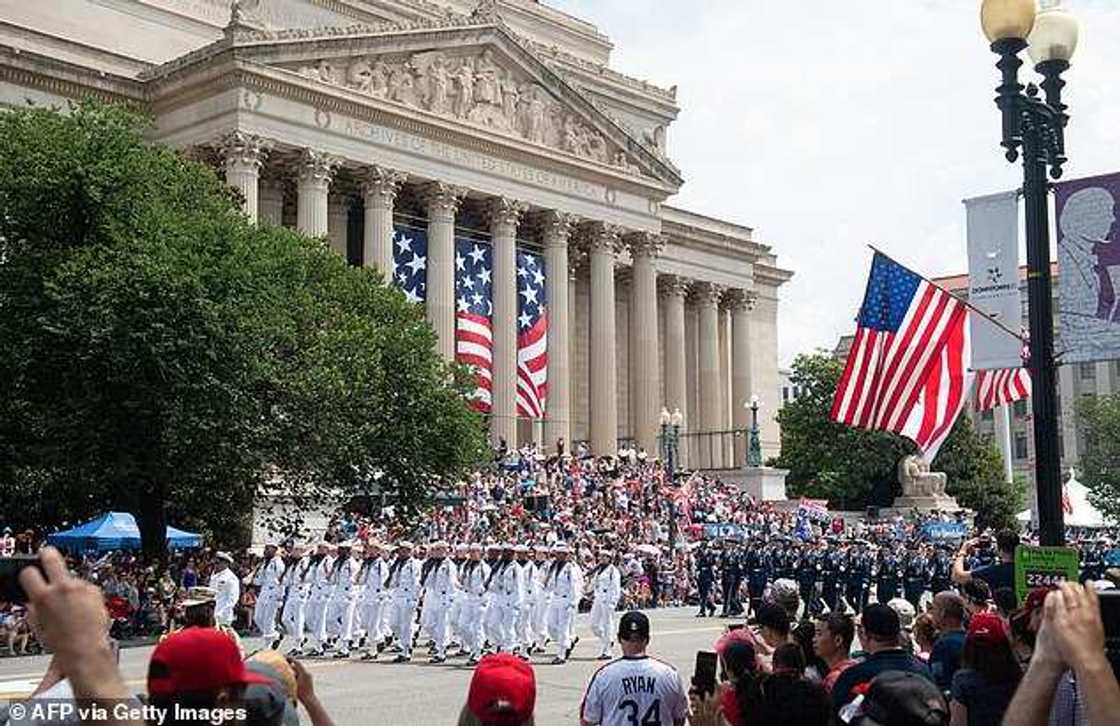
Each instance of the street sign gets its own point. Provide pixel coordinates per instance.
(1043, 567)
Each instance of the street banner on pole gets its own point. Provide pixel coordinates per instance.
(993, 279)
(1089, 268)
(1044, 567)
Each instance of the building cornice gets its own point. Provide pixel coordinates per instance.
(34, 70)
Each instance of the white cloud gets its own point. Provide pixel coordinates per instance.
(830, 125)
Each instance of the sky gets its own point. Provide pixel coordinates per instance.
(827, 126)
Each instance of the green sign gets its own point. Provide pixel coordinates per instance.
(1043, 567)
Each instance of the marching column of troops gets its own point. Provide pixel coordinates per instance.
(353, 599)
(830, 574)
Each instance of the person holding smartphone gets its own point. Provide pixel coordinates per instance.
(998, 575)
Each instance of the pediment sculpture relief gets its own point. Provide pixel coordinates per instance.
(476, 90)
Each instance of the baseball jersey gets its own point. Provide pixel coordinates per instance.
(640, 691)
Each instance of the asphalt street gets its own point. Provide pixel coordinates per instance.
(364, 694)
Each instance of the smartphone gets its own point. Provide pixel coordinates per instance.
(10, 567)
(1110, 616)
(704, 678)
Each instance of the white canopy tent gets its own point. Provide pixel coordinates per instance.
(1084, 514)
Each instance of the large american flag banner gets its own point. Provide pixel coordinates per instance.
(532, 336)
(410, 262)
(474, 339)
(999, 387)
(907, 371)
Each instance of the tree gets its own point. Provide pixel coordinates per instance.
(163, 355)
(975, 472)
(853, 468)
(1099, 417)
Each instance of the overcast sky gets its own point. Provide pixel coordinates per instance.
(828, 125)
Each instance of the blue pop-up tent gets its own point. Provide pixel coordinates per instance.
(116, 531)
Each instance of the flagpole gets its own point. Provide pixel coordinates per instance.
(1003, 433)
(958, 298)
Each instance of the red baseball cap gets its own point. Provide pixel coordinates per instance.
(503, 690)
(1036, 598)
(986, 627)
(197, 660)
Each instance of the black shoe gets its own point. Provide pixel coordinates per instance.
(571, 647)
(369, 655)
(341, 654)
(558, 661)
(472, 661)
(402, 658)
(362, 642)
(437, 659)
(275, 643)
(604, 656)
(701, 614)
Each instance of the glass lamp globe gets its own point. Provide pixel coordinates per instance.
(666, 418)
(678, 417)
(1055, 34)
(1003, 19)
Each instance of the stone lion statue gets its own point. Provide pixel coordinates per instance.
(918, 481)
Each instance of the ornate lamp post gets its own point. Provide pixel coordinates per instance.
(1037, 128)
(754, 444)
(670, 436)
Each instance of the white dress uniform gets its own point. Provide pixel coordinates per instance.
(296, 586)
(439, 592)
(343, 599)
(539, 623)
(525, 634)
(565, 583)
(372, 577)
(456, 635)
(474, 577)
(404, 586)
(267, 581)
(228, 588)
(606, 581)
(506, 595)
(317, 603)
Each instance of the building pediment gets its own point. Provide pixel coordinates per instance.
(467, 70)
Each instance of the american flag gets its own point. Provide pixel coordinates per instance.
(474, 340)
(1001, 386)
(410, 262)
(907, 371)
(532, 336)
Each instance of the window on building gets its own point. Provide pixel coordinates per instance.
(1020, 409)
(1061, 446)
(988, 415)
(1088, 371)
(1020, 445)
(785, 394)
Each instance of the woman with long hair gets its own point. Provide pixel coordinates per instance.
(989, 674)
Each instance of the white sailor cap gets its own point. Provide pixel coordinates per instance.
(560, 547)
(439, 543)
(521, 549)
(459, 548)
(224, 557)
(404, 544)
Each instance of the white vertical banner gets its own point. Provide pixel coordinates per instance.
(993, 279)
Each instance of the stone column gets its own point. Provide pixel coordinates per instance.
(674, 290)
(645, 380)
(244, 155)
(556, 229)
(379, 190)
(710, 409)
(742, 302)
(603, 239)
(1068, 389)
(504, 216)
(442, 202)
(338, 223)
(315, 172)
(271, 203)
(725, 403)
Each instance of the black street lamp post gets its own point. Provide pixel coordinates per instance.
(1037, 127)
(754, 444)
(670, 436)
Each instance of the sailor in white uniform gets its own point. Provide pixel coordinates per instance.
(439, 584)
(606, 584)
(473, 580)
(296, 586)
(321, 568)
(266, 579)
(565, 584)
(227, 587)
(373, 600)
(343, 599)
(404, 586)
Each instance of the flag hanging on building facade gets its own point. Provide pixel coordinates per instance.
(474, 311)
(907, 370)
(1001, 387)
(410, 262)
(993, 279)
(532, 336)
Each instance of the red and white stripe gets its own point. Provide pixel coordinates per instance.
(887, 372)
(944, 394)
(999, 387)
(474, 346)
(532, 369)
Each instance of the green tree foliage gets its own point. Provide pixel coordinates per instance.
(1099, 417)
(162, 355)
(853, 468)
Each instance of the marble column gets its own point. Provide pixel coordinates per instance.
(725, 402)
(314, 175)
(243, 155)
(742, 303)
(645, 380)
(504, 217)
(603, 240)
(1068, 388)
(442, 202)
(556, 229)
(338, 223)
(674, 290)
(708, 295)
(379, 190)
(271, 203)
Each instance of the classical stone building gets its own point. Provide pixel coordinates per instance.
(342, 117)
